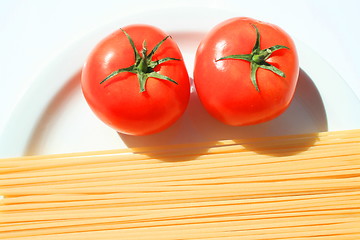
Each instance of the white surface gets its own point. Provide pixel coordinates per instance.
(34, 34)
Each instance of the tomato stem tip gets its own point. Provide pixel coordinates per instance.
(144, 65)
(257, 59)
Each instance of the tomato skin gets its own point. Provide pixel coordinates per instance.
(118, 101)
(224, 87)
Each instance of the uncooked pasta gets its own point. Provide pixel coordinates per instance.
(287, 187)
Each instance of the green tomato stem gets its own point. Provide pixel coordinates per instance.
(143, 66)
(257, 59)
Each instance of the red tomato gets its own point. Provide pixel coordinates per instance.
(135, 80)
(246, 71)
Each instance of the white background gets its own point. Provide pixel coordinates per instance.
(34, 32)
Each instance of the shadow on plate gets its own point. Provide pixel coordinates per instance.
(35, 145)
(306, 114)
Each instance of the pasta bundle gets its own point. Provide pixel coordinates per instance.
(290, 187)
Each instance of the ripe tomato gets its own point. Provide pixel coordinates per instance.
(246, 71)
(136, 81)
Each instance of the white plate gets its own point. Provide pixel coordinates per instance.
(53, 117)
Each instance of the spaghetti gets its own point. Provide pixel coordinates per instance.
(289, 187)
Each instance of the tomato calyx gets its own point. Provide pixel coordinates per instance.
(257, 59)
(144, 65)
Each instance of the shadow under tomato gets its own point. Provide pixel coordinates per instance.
(171, 142)
(305, 115)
